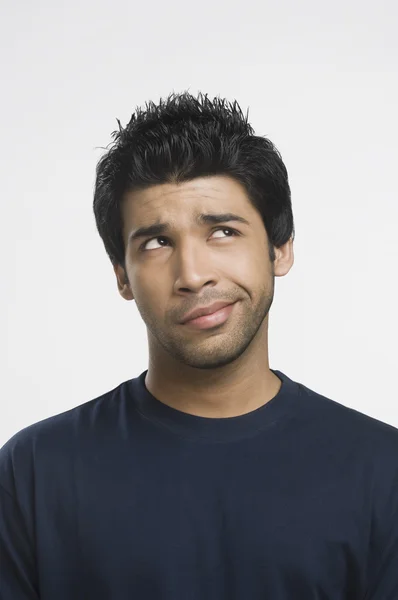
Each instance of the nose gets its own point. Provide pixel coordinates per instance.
(194, 269)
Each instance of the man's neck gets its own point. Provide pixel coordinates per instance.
(230, 391)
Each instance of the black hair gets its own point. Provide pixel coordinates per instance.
(181, 138)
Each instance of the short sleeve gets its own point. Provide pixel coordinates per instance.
(383, 551)
(18, 573)
(17, 570)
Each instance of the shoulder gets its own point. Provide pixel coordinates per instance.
(349, 421)
(358, 438)
(51, 439)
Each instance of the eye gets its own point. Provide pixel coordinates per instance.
(144, 245)
(234, 232)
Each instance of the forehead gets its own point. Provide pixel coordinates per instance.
(183, 201)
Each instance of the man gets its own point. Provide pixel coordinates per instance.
(210, 476)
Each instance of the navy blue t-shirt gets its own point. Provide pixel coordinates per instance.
(126, 498)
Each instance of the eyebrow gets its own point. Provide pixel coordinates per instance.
(202, 219)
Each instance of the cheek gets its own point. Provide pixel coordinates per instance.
(247, 268)
(252, 274)
(148, 293)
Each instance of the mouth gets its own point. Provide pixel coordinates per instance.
(219, 317)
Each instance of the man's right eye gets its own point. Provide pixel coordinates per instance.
(144, 245)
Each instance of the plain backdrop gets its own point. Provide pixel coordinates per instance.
(320, 79)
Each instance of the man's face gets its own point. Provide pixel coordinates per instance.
(195, 264)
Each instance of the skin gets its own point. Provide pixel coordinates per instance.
(222, 372)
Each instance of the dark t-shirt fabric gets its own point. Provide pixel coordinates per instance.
(126, 498)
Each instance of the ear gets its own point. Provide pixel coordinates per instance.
(284, 259)
(123, 283)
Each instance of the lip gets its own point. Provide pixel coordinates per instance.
(215, 319)
(205, 311)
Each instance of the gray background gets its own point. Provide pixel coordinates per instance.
(320, 79)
